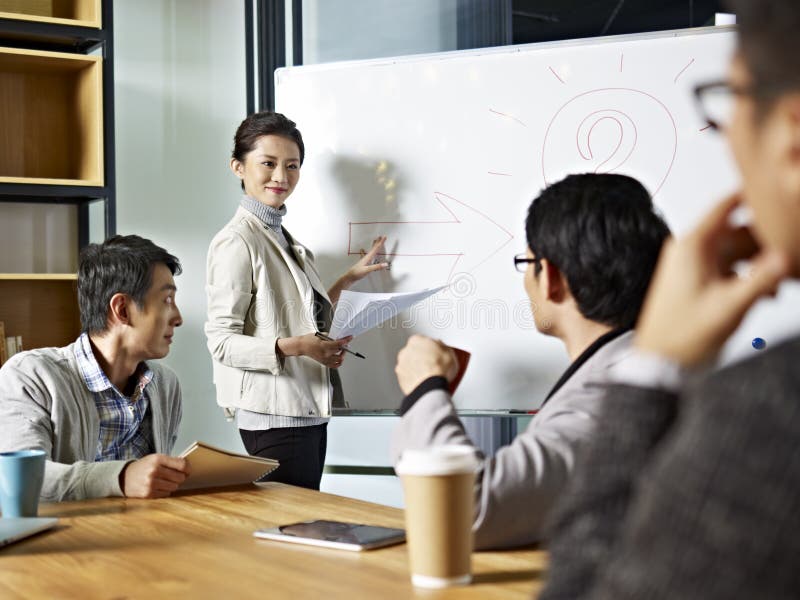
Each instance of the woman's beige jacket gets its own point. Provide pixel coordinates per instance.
(256, 294)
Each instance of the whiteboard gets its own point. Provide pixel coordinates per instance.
(444, 152)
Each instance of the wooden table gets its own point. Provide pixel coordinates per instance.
(200, 545)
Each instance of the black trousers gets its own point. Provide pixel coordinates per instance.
(300, 450)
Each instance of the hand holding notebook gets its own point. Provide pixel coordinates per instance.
(215, 467)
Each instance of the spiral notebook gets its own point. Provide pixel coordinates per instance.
(215, 467)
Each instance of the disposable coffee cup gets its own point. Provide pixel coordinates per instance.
(21, 478)
(439, 489)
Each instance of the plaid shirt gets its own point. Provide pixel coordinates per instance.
(126, 430)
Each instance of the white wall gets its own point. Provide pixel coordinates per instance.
(180, 93)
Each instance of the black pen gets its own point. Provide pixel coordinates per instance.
(322, 336)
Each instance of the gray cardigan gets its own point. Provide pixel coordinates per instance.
(44, 403)
(690, 495)
(516, 489)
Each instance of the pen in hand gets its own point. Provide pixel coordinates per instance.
(322, 336)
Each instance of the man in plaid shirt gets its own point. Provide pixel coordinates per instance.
(106, 415)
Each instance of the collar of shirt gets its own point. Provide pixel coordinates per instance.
(95, 378)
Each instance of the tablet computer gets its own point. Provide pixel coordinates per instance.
(335, 534)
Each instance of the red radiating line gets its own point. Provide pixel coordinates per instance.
(556, 74)
(503, 174)
(682, 70)
(497, 112)
(706, 127)
(620, 61)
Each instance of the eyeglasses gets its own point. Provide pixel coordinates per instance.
(521, 262)
(715, 100)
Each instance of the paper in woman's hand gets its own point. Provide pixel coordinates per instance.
(358, 312)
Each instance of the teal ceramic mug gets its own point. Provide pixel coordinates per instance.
(21, 478)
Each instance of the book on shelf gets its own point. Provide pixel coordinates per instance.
(3, 355)
(11, 346)
(215, 467)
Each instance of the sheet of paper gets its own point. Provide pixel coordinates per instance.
(358, 312)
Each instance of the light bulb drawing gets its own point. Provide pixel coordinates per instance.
(600, 130)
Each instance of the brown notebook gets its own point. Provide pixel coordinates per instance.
(215, 467)
(3, 356)
(463, 361)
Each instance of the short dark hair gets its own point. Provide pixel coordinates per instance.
(122, 264)
(769, 43)
(602, 232)
(260, 124)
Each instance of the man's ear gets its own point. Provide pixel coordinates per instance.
(792, 108)
(553, 283)
(119, 309)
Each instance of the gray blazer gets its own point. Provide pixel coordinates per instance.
(516, 489)
(44, 403)
(688, 495)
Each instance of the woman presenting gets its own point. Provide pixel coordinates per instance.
(265, 303)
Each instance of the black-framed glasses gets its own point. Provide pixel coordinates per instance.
(521, 262)
(715, 100)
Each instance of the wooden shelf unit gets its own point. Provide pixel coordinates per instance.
(56, 144)
(38, 277)
(85, 13)
(40, 307)
(51, 126)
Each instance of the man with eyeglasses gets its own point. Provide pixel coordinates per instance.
(694, 490)
(593, 243)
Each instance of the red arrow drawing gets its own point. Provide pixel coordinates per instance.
(468, 235)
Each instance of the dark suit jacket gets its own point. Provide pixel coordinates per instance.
(690, 495)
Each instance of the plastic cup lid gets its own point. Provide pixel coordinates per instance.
(438, 460)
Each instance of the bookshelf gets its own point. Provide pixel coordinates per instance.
(40, 307)
(52, 102)
(70, 12)
(56, 147)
